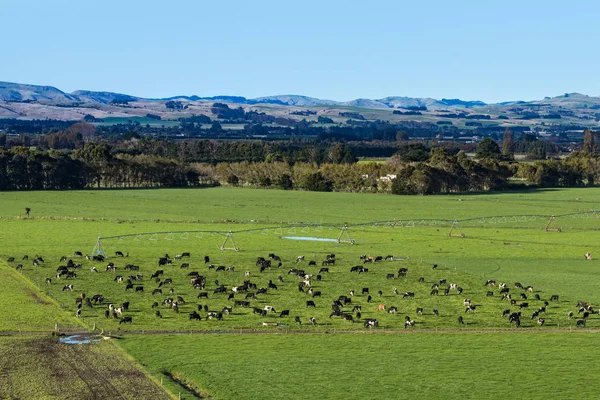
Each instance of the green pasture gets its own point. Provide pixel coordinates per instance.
(508, 249)
(505, 240)
(383, 366)
(26, 308)
(42, 368)
(277, 206)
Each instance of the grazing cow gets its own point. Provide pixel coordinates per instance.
(490, 282)
(284, 313)
(371, 323)
(581, 322)
(206, 259)
(419, 310)
(586, 315)
(588, 256)
(97, 298)
(119, 254)
(395, 290)
(380, 293)
(310, 303)
(434, 266)
(402, 272)
(313, 320)
(505, 312)
(442, 281)
(459, 290)
(421, 279)
(447, 291)
(408, 323)
(523, 305)
(471, 308)
(523, 296)
(529, 288)
(316, 294)
(195, 315)
(537, 297)
(518, 285)
(203, 295)
(369, 298)
(48, 280)
(312, 262)
(460, 320)
(125, 306)
(269, 308)
(390, 276)
(535, 314)
(67, 287)
(504, 290)
(157, 314)
(298, 320)
(157, 291)
(490, 294)
(381, 307)
(365, 290)
(434, 292)
(436, 312)
(227, 310)
(125, 320)
(466, 302)
(408, 294)
(139, 288)
(393, 310)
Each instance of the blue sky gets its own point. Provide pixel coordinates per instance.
(339, 50)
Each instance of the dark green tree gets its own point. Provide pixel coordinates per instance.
(590, 142)
(507, 144)
(285, 182)
(487, 148)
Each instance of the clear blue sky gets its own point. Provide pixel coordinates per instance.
(340, 50)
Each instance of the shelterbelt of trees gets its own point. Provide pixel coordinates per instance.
(70, 160)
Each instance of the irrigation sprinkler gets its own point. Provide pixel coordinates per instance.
(554, 227)
(99, 249)
(347, 238)
(455, 230)
(229, 237)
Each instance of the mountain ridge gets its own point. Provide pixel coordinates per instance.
(10, 91)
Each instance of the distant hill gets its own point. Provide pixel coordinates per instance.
(21, 92)
(101, 97)
(294, 100)
(574, 110)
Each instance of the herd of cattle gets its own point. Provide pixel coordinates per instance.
(254, 291)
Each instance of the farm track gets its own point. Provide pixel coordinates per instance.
(98, 385)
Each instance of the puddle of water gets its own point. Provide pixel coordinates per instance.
(314, 239)
(79, 339)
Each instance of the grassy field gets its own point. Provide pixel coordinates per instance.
(277, 206)
(511, 247)
(383, 366)
(547, 263)
(26, 308)
(43, 368)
